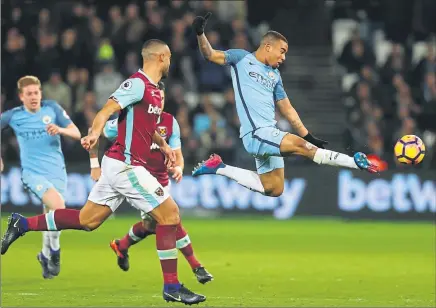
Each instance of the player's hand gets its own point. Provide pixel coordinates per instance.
(177, 173)
(170, 156)
(89, 142)
(95, 173)
(200, 22)
(53, 129)
(315, 141)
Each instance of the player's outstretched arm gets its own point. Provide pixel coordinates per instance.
(100, 120)
(215, 56)
(288, 111)
(110, 131)
(93, 159)
(180, 161)
(175, 143)
(177, 171)
(212, 55)
(63, 124)
(103, 115)
(70, 131)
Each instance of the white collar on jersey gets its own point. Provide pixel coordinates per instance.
(142, 72)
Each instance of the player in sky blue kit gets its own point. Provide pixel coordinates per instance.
(38, 126)
(259, 91)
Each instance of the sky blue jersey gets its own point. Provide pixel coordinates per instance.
(257, 88)
(40, 153)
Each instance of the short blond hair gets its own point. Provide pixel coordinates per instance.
(27, 81)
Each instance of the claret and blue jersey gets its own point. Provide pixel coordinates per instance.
(110, 131)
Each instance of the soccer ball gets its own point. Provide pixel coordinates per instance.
(409, 150)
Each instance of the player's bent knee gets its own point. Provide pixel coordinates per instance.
(90, 225)
(273, 190)
(293, 144)
(149, 225)
(173, 219)
(92, 215)
(167, 213)
(53, 199)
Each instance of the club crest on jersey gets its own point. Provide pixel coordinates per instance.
(162, 131)
(275, 133)
(46, 119)
(159, 191)
(271, 75)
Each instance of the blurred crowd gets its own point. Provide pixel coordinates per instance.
(390, 97)
(83, 51)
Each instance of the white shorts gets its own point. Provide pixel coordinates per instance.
(119, 181)
(144, 215)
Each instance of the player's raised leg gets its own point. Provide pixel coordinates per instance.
(90, 217)
(267, 145)
(292, 144)
(215, 165)
(103, 200)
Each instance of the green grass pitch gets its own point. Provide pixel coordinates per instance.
(256, 262)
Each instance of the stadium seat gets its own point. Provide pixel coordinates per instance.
(348, 81)
(382, 51)
(419, 51)
(341, 31)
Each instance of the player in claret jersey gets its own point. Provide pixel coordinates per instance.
(38, 125)
(169, 129)
(259, 91)
(124, 171)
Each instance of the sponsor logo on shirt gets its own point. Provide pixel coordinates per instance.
(270, 84)
(154, 109)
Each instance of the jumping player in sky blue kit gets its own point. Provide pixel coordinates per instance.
(258, 92)
(38, 126)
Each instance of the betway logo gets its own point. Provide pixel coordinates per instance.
(403, 193)
(216, 192)
(209, 192)
(154, 109)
